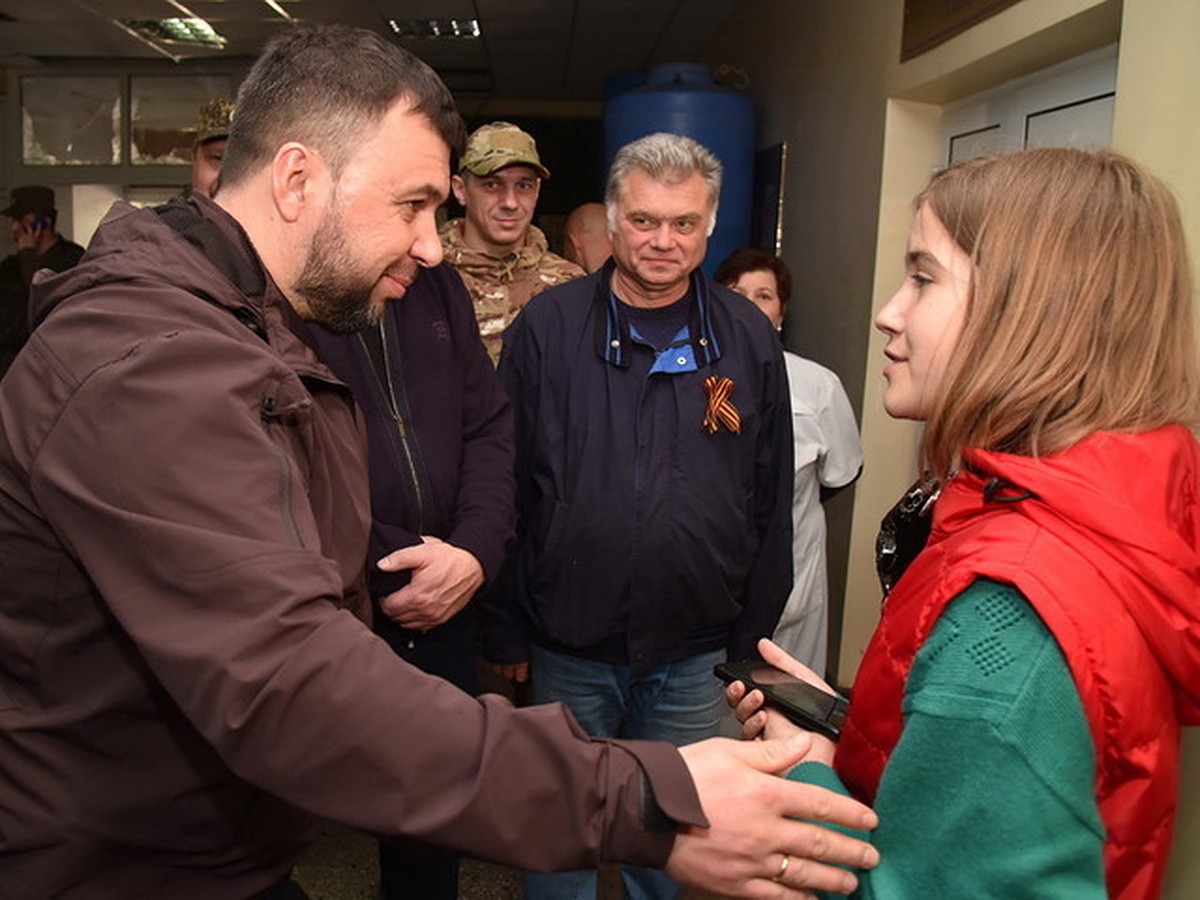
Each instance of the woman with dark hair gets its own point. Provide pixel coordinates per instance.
(828, 455)
(1016, 717)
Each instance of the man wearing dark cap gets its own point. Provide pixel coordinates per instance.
(39, 246)
(500, 254)
(212, 134)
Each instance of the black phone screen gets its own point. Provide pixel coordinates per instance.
(804, 704)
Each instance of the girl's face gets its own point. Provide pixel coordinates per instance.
(924, 318)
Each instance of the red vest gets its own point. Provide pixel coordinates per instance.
(1077, 589)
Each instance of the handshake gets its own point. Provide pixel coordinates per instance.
(764, 837)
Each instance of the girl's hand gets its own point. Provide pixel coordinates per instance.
(762, 721)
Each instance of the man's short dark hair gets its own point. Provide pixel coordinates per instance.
(327, 87)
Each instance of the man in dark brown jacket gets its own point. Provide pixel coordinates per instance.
(186, 681)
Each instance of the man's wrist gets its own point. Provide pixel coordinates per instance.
(476, 566)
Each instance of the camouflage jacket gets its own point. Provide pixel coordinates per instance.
(500, 286)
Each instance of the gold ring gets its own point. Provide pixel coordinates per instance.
(783, 867)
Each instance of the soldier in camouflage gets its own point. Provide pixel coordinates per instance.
(212, 134)
(503, 258)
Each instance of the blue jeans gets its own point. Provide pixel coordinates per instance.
(681, 703)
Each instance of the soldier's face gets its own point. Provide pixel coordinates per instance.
(499, 206)
(206, 166)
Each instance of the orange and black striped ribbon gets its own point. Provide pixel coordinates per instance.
(721, 410)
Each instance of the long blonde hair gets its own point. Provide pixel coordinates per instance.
(1080, 314)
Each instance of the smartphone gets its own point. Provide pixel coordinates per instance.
(804, 704)
(41, 222)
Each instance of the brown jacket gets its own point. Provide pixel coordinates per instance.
(185, 679)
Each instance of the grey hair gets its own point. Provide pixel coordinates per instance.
(668, 159)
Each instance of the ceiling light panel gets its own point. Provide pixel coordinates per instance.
(190, 32)
(439, 29)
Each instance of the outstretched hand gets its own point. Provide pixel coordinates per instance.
(753, 825)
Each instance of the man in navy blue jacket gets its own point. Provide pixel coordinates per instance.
(440, 436)
(654, 467)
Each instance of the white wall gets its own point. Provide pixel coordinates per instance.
(89, 204)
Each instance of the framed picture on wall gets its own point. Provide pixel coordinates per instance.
(973, 144)
(164, 112)
(767, 223)
(70, 120)
(1085, 124)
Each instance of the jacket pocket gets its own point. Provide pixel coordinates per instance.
(285, 414)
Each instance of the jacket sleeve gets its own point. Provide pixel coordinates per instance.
(485, 511)
(202, 543)
(770, 578)
(841, 462)
(505, 626)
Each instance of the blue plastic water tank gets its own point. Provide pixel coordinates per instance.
(683, 98)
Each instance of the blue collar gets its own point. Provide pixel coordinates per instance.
(613, 341)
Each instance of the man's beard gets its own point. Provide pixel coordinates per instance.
(337, 296)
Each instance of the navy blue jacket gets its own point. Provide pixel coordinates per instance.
(440, 432)
(642, 537)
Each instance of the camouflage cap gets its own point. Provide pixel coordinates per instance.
(215, 116)
(498, 144)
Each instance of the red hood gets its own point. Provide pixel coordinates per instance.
(1130, 503)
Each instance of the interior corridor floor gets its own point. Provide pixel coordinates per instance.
(341, 865)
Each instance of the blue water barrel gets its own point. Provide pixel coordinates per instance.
(683, 98)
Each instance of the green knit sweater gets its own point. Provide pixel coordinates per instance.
(989, 792)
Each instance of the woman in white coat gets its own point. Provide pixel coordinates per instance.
(828, 456)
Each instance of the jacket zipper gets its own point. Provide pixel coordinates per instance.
(401, 426)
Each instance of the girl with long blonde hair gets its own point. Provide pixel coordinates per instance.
(1016, 718)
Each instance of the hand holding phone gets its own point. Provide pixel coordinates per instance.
(802, 703)
(27, 233)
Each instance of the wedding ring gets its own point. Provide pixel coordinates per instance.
(783, 867)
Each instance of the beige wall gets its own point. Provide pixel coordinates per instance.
(1155, 119)
(863, 132)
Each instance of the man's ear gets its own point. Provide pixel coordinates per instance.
(459, 187)
(295, 178)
